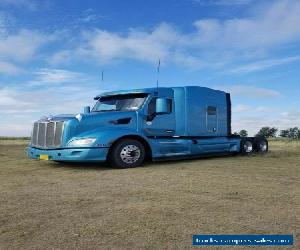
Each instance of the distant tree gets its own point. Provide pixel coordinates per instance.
(273, 132)
(243, 133)
(293, 133)
(235, 133)
(267, 132)
(284, 133)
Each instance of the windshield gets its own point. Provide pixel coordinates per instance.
(128, 102)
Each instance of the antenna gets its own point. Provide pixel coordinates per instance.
(102, 76)
(158, 66)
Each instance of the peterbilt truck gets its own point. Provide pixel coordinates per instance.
(128, 127)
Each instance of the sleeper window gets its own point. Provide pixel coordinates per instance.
(211, 110)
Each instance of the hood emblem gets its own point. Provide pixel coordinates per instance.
(78, 117)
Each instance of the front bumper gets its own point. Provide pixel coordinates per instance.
(70, 154)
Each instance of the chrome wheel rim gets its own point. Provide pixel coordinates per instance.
(248, 147)
(263, 146)
(130, 154)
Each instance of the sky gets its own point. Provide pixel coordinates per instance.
(52, 54)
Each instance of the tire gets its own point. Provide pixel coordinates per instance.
(127, 153)
(261, 145)
(247, 147)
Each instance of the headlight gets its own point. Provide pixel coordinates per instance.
(82, 142)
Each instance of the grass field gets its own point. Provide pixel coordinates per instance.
(157, 206)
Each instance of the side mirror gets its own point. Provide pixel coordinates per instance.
(87, 110)
(161, 106)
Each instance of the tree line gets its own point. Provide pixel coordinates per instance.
(292, 133)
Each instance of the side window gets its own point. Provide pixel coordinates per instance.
(152, 106)
(169, 103)
(211, 110)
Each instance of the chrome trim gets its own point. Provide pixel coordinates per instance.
(45, 141)
(169, 142)
(179, 153)
(130, 154)
(54, 133)
(48, 139)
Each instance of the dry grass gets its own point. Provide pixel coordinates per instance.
(158, 206)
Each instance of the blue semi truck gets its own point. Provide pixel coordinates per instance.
(128, 127)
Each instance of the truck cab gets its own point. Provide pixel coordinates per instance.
(130, 126)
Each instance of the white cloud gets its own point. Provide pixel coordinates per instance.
(273, 26)
(90, 16)
(250, 91)
(241, 108)
(263, 109)
(28, 4)
(15, 128)
(9, 68)
(162, 42)
(144, 46)
(18, 47)
(61, 57)
(293, 115)
(20, 106)
(214, 43)
(222, 2)
(252, 118)
(264, 64)
(252, 122)
(7, 97)
(56, 76)
(2, 25)
(21, 46)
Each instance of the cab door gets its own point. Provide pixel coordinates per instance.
(160, 124)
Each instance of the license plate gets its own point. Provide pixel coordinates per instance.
(44, 157)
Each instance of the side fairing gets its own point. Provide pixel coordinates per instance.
(200, 112)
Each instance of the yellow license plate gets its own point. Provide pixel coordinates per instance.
(44, 157)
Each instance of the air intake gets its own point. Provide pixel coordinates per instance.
(47, 134)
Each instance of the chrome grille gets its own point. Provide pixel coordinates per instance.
(47, 134)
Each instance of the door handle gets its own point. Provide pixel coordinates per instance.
(169, 131)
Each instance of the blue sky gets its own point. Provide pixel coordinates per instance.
(52, 54)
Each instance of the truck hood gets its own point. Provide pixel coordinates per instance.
(93, 116)
(76, 125)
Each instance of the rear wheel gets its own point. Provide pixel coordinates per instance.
(127, 153)
(261, 145)
(247, 147)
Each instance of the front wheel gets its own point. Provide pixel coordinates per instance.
(127, 153)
